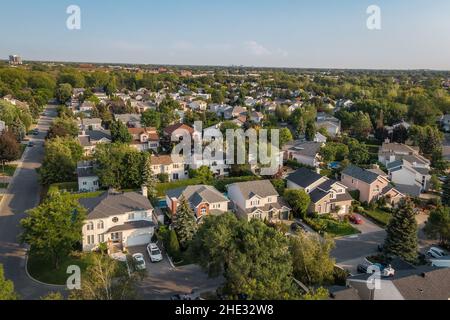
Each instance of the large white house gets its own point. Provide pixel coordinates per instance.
(118, 219)
(174, 167)
(258, 200)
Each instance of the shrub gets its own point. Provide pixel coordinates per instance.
(163, 177)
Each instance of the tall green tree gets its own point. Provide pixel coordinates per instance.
(299, 200)
(184, 223)
(312, 261)
(64, 92)
(438, 225)
(60, 161)
(63, 127)
(149, 179)
(106, 279)
(151, 118)
(6, 287)
(253, 258)
(446, 192)
(119, 132)
(53, 228)
(285, 136)
(402, 240)
(9, 148)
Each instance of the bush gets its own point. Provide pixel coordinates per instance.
(163, 177)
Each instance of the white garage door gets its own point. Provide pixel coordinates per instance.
(139, 240)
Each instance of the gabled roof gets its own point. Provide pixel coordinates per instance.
(304, 177)
(262, 188)
(361, 174)
(308, 149)
(114, 203)
(179, 126)
(198, 194)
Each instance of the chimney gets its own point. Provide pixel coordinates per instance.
(145, 191)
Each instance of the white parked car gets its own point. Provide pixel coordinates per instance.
(154, 252)
(139, 261)
(436, 253)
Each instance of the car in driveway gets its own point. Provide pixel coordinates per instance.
(296, 226)
(154, 252)
(436, 253)
(355, 219)
(139, 261)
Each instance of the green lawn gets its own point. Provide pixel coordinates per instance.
(163, 187)
(4, 185)
(332, 227)
(43, 270)
(8, 170)
(379, 216)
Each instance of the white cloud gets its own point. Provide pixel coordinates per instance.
(256, 49)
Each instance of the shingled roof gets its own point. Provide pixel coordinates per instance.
(360, 174)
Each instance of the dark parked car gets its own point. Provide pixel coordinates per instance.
(298, 227)
(362, 267)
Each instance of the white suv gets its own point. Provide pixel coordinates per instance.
(436, 253)
(154, 252)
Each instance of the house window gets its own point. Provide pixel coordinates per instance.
(175, 176)
(90, 239)
(131, 216)
(101, 238)
(115, 220)
(175, 166)
(84, 183)
(100, 224)
(269, 200)
(144, 215)
(203, 211)
(115, 236)
(90, 226)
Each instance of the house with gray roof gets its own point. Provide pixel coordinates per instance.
(402, 172)
(413, 283)
(89, 139)
(258, 200)
(391, 152)
(327, 195)
(204, 200)
(304, 152)
(131, 120)
(370, 184)
(118, 219)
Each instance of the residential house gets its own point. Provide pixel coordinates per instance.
(256, 117)
(258, 200)
(327, 195)
(88, 181)
(173, 166)
(330, 123)
(204, 200)
(407, 283)
(391, 152)
(131, 120)
(198, 105)
(177, 131)
(236, 112)
(320, 138)
(91, 138)
(144, 138)
(90, 124)
(371, 185)
(306, 153)
(118, 219)
(86, 107)
(402, 172)
(404, 124)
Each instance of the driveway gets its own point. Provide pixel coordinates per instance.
(163, 280)
(22, 194)
(352, 250)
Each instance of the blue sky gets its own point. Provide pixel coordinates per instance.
(280, 33)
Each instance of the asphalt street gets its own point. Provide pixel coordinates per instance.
(23, 194)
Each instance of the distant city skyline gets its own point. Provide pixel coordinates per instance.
(259, 33)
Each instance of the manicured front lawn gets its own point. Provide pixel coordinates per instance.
(379, 216)
(8, 170)
(332, 227)
(43, 270)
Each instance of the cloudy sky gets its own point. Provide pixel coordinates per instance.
(415, 34)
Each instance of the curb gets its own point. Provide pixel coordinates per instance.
(56, 286)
